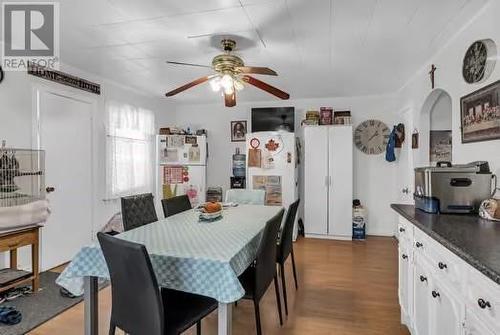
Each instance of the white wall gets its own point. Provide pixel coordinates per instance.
(16, 92)
(449, 78)
(373, 176)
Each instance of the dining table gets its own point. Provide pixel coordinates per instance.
(187, 254)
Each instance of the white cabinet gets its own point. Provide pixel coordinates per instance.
(404, 290)
(446, 310)
(328, 181)
(439, 293)
(475, 327)
(421, 299)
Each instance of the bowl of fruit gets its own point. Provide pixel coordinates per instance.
(211, 211)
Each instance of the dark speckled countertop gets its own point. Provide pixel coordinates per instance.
(475, 240)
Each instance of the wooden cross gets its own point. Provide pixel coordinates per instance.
(432, 74)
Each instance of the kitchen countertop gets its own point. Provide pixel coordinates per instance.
(475, 240)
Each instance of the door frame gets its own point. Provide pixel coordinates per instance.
(38, 90)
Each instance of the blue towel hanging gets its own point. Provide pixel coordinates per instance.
(390, 156)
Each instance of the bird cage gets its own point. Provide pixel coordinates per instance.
(22, 176)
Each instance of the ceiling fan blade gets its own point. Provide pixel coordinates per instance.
(256, 70)
(266, 87)
(230, 99)
(188, 64)
(188, 85)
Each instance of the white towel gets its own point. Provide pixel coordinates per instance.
(25, 215)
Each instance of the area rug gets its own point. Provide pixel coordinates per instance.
(39, 308)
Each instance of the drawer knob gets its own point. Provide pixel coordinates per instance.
(435, 294)
(404, 256)
(402, 230)
(419, 245)
(483, 304)
(442, 265)
(423, 278)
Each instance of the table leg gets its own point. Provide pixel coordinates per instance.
(225, 319)
(91, 305)
(13, 259)
(35, 266)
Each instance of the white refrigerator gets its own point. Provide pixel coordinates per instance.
(272, 166)
(181, 168)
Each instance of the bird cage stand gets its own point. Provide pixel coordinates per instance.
(22, 189)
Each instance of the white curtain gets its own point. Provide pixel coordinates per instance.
(130, 145)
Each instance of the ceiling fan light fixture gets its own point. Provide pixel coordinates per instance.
(215, 84)
(238, 85)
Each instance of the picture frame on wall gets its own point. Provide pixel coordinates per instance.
(480, 114)
(440, 146)
(238, 131)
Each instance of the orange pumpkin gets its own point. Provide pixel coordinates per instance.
(212, 207)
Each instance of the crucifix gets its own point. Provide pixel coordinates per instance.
(432, 74)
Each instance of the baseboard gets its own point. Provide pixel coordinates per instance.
(329, 237)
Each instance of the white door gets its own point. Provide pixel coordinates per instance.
(421, 300)
(405, 165)
(340, 181)
(475, 327)
(316, 180)
(404, 279)
(446, 312)
(65, 135)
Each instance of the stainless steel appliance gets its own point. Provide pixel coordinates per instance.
(448, 188)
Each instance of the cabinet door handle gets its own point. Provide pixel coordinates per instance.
(419, 245)
(423, 278)
(404, 256)
(483, 304)
(435, 294)
(402, 230)
(442, 265)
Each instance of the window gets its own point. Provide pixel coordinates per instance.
(130, 144)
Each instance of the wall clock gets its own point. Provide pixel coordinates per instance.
(1, 74)
(371, 137)
(479, 61)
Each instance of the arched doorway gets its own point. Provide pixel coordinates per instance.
(435, 129)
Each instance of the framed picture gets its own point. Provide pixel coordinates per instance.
(480, 114)
(440, 146)
(238, 131)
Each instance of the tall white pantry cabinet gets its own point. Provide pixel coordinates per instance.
(328, 181)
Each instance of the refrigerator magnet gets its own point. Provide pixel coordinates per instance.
(254, 143)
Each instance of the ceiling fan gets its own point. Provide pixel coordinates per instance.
(231, 76)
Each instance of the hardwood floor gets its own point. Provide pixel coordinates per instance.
(344, 288)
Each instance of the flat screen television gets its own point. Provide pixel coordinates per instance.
(273, 118)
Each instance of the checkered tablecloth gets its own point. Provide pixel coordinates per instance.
(187, 255)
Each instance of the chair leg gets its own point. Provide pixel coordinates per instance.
(278, 299)
(257, 317)
(294, 271)
(198, 328)
(283, 284)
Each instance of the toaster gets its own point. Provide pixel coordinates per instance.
(447, 188)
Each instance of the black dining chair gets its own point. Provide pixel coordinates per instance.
(138, 210)
(285, 248)
(175, 205)
(138, 305)
(258, 277)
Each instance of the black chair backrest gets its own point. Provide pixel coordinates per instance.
(287, 231)
(265, 262)
(138, 210)
(137, 304)
(178, 204)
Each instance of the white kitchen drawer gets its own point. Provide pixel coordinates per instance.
(483, 298)
(405, 230)
(446, 266)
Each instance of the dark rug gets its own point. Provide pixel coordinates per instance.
(40, 307)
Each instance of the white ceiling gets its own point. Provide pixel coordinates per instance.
(320, 48)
